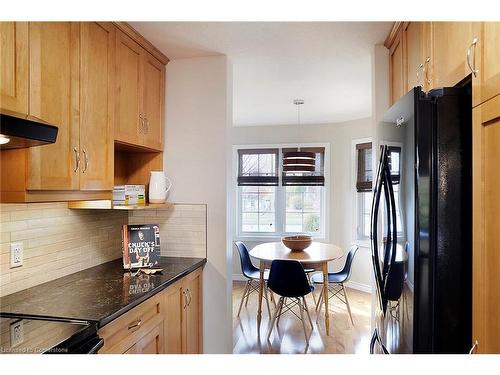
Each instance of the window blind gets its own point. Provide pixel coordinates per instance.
(315, 177)
(365, 172)
(258, 167)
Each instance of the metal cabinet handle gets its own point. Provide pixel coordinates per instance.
(426, 63)
(77, 159)
(473, 66)
(135, 324)
(141, 123)
(190, 297)
(420, 67)
(473, 349)
(86, 158)
(185, 300)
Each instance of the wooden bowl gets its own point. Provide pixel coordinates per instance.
(297, 243)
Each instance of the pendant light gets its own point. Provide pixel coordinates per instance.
(299, 161)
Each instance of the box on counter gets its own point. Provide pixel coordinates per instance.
(129, 195)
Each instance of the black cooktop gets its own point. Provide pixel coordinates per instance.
(33, 335)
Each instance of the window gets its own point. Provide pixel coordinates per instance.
(273, 200)
(364, 179)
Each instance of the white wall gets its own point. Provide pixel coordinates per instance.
(342, 192)
(198, 117)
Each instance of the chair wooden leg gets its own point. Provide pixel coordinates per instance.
(243, 296)
(249, 291)
(307, 311)
(266, 296)
(347, 303)
(275, 315)
(280, 309)
(272, 297)
(302, 319)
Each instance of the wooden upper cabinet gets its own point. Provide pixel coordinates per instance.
(486, 221)
(97, 105)
(54, 99)
(414, 55)
(485, 61)
(128, 89)
(14, 68)
(140, 87)
(397, 68)
(450, 42)
(153, 102)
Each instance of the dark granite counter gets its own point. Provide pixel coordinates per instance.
(98, 294)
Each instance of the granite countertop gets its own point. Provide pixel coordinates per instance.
(98, 294)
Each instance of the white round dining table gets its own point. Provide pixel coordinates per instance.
(316, 256)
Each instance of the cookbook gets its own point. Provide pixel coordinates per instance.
(141, 246)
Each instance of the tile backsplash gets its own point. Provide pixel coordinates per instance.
(183, 228)
(58, 241)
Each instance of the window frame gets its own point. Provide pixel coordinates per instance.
(357, 197)
(280, 196)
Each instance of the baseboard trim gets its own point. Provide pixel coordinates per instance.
(359, 286)
(350, 284)
(239, 277)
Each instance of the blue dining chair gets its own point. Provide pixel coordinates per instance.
(252, 273)
(288, 280)
(336, 282)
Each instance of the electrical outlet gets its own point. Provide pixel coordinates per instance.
(16, 333)
(16, 254)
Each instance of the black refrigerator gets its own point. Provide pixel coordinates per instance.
(421, 224)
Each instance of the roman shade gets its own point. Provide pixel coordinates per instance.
(365, 171)
(314, 176)
(258, 167)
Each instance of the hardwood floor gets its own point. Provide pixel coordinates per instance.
(289, 338)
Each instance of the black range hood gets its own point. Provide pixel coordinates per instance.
(17, 132)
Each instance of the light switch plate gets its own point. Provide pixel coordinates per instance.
(16, 254)
(16, 333)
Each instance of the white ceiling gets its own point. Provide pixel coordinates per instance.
(325, 63)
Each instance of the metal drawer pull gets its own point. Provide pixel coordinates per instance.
(473, 66)
(472, 350)
(135, 324)
(77, 159)
(190, 297)
(86, 157)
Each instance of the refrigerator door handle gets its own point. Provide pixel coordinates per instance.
(374, 226)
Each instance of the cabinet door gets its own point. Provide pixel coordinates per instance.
(414, 55)
(14, 68)
(152, 342)
(486, 56)
(397, 69)
(192, 342)
(153, 102)
(128, 89)
(96, 105)
(450, 42)
(174, 305)
(53, 98)
(486, 221)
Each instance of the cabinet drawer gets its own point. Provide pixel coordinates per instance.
(127, 330)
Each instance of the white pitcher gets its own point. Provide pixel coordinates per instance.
(159, 185)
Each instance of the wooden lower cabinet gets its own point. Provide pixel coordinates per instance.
(167, 323)
(486, 222)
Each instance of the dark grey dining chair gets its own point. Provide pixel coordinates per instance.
(336, 282)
